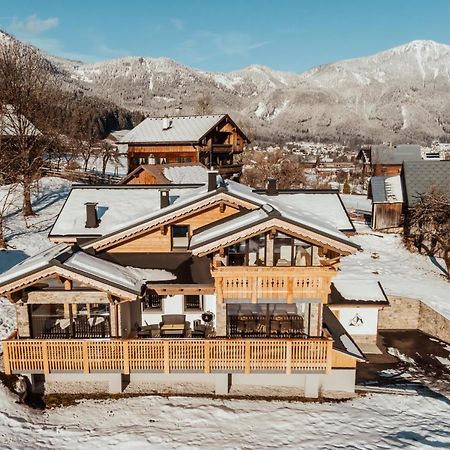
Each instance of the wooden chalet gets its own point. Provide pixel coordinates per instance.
(214, 283)
(211, 140)
(387, 160)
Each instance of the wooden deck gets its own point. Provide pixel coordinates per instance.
(167, 355)
(273, 282)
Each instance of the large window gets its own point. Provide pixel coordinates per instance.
(85, 320)
(180, 236)
(287, 251)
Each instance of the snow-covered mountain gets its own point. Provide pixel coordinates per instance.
(401, 95)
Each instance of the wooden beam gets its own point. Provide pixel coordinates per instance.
(67, 297)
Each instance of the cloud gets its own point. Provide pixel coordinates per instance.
(32, 25)
(178, 24)
(205, 45)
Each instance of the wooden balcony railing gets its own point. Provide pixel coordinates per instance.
(167, 355)
(273, 282)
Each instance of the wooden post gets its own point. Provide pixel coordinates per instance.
(126, 358)
(290, 289)
(247, 357)
(166, 357)
(329, 353)
(85, 357)
(289, 357)
(6, 362)
(207, 357)
(45, 357)
(255, 289)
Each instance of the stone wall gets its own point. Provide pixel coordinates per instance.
(412, 314)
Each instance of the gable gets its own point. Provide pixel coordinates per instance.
(173, 214)
(159, 240)
(219, 241)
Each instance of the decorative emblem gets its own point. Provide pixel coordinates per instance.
(356, 321)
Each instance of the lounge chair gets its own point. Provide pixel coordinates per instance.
(173, 325)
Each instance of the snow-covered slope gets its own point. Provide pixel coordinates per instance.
(401, 94)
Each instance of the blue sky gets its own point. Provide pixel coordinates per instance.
(291, 35)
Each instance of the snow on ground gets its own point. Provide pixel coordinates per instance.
(401, 273)
(359, 202)
(375, 421)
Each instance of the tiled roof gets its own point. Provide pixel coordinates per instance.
(182, 129)
(383, 154)
(421, 176)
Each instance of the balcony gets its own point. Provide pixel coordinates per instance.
(168, 355)
(289, 283)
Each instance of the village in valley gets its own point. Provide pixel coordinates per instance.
(180, 279)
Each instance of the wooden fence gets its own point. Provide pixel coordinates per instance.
(167, 355)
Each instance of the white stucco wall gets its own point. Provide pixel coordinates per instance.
(365, 320)
(174, 305)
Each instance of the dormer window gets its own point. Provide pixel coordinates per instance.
(180, 237)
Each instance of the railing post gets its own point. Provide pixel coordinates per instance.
(45, 357)
(255, 288)
(166, 357)
(85, 357)
(207, 356)
(247, 357)
(329, 353)
(126, 358)
(6, 361)
(289, 357)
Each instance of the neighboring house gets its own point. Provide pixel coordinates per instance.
(387, 160)
(386, 194)
(215, 283)
(212, 140)
(181, 173)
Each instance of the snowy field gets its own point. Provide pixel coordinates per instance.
(400, 272)
(378, 421)
(374, 422)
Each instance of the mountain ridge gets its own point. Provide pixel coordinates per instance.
(399, 95)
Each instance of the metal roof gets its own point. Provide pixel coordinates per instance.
(182, 129)
(383, 154)
(421, 176)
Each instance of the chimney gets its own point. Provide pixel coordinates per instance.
(272, 186)
(212, 180)
(167, 123)
(91, 215)
(164, 198)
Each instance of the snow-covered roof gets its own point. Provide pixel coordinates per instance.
(130, 277)
(117, 208)
(181, 129)
(357, 290)
(386, 189)
(33, 263)
(325, 205)
(186, 174)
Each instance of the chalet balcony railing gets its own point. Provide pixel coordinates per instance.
(289, 283)
(168, 355)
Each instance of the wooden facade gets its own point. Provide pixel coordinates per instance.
(387, 215)
(216, 149)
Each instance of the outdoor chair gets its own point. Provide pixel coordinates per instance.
(173, 325)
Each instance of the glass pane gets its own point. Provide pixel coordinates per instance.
(256, 251)
(282, 250)
(302, 253)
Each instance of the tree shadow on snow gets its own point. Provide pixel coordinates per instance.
(9, 258)
(405, 437)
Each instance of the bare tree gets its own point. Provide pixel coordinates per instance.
(108, 152)
(259, 166)
(428, 225)
(26, 83)
(204, 105)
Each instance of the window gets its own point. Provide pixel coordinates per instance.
(184, 159)
(237, 254)
(193, 303)
(257, 250)
(153, 302)
(180, 236)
